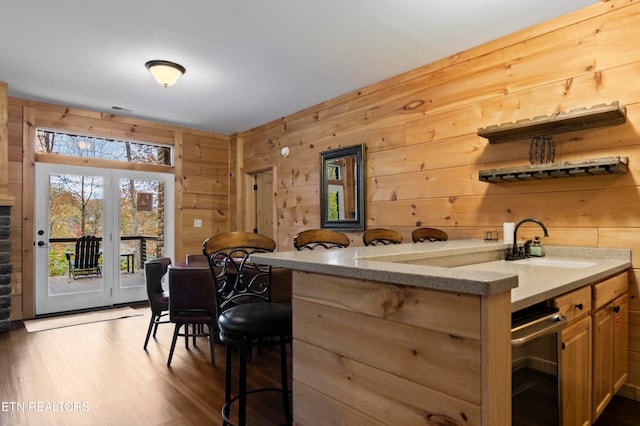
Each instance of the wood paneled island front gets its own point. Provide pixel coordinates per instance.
(409, 334)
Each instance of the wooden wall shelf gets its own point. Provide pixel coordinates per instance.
(598, 166)
(562, 122)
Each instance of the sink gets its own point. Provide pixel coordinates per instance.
(556, 263)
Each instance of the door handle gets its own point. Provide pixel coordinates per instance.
(544, 326)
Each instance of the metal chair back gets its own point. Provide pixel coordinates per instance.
(236, 278)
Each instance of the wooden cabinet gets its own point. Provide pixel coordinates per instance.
(576, 357)
(594, 363)
(610, 362)
(610, 340)
(576, 385)
(620, 365)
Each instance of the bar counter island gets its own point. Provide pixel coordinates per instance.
(417, 334)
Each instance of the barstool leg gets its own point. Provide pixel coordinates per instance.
(242, 391)
(285, 380)
(227, 387)
(196, 331)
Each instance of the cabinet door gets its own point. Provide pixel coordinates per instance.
(620, 318)
(610, 347)
(602, 359)
(576, 385)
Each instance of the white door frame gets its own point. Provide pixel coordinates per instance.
(110, 292)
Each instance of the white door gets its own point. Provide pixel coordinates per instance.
(144, 228)
(113, 205)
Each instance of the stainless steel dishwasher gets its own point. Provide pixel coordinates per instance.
(536, 394)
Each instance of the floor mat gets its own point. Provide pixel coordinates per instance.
(78, 319)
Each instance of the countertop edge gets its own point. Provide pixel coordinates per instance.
(568, 287)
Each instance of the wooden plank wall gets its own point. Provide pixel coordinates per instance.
(4, 146)
(202, 187)
(422, 164)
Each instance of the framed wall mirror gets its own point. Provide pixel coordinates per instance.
(342, 189)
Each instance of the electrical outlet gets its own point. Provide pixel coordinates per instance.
(197, 223)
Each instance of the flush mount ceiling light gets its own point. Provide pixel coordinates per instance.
(165, 72)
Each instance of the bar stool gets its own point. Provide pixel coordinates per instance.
(242, 324)
(381, 236)
(320, 238)
(421, 235)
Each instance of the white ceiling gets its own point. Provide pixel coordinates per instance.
(248, 61)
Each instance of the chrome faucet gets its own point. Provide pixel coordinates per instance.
(515, 253)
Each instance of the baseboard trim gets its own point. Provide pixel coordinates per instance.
(629, 391)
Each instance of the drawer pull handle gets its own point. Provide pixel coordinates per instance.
(580, 306)
(616, 309)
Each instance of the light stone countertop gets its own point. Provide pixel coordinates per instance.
(466, 266)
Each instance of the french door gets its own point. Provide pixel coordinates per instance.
(129, 212)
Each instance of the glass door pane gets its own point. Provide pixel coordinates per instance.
(143, 229)
(69, 271)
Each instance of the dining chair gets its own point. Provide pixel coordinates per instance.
(196, 259)
(420, 235)
(320, 238)
(192, 302)
(381, 236)
(154, 271)
(246, 315)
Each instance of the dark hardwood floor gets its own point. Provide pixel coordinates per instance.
(620, 412)
(98, 374)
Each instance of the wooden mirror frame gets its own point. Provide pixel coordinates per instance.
(353, 198)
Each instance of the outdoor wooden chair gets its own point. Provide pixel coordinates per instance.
(420, 235)
(85, 260)
(381, 236)
(323, 238)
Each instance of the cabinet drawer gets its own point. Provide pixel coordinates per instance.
(576, 304)
(608, 290)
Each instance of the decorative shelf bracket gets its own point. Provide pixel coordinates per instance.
(598, 166)
(562, 122)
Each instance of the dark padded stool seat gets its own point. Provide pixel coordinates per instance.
(253, 321)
